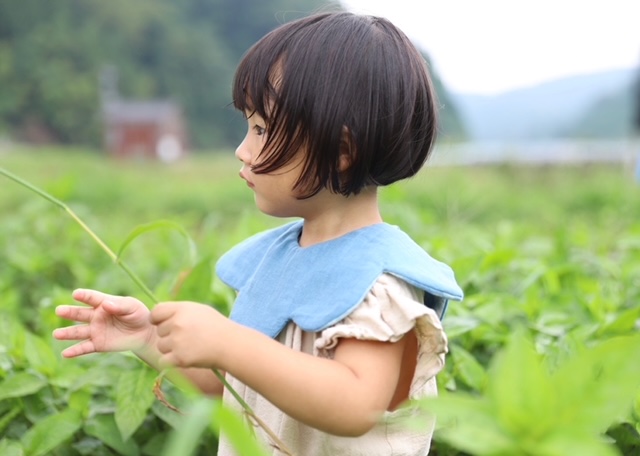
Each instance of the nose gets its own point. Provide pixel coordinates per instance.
(242, 152)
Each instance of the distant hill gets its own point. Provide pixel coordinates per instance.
(568, 107)
(451, 126)
(611, 116)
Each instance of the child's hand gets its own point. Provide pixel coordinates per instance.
(113, 323)
(189, 334)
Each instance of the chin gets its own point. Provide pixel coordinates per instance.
(276, 210)
(279, 214)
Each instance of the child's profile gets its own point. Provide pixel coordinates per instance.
(337, 320)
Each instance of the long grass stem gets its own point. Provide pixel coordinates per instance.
(84, 226)
(247, 409)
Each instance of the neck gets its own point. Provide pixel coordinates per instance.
(336, 215)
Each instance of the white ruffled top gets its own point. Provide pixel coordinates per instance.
(390, 310)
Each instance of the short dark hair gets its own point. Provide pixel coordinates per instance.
(316, 78)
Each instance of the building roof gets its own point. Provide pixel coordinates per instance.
(156, 111)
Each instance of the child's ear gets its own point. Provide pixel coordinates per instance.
(347, 150)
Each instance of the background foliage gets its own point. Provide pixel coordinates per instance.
(552, 254)
(52, 55)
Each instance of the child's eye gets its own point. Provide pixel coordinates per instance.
(259, 130)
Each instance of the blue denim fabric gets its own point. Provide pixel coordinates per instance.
(278, 280)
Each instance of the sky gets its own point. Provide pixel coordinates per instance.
(493, 46)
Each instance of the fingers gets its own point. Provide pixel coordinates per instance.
(81, 332)
(115, 305)
(83, 348)
(162, 312)
(91, 297)
(75, 313)
(168, 361)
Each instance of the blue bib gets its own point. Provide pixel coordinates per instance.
(317, 286)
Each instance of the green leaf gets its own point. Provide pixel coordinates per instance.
(498, 257)
(196, 286)
(456, 326)
(39, 354)
(235, 429)
(184, 439)
(9, 328)
(8, 417)
(71, 377)
(154, 445)
(10, 448)
(167, 415)
(104, 428)
(468, 368)
(51, 432)
(469, 424)
(520, 388)
(551, 280)
(134, 396)
(158, 225)
(21, 384)
(80, 399)
(626, 437)
(598, 386)
(635, 411)
(565, 443)
(623, 323)
(214, 414)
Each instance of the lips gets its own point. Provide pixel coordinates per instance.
(249, 183)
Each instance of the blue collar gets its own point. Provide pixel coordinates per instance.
(317, 286)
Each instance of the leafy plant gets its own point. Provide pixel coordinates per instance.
(531, 410)
(554, 252)
(134, 395)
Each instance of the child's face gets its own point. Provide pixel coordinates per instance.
(274, 193)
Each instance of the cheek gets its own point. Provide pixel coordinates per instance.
(275, 187)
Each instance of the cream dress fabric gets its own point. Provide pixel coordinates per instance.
(391, 309)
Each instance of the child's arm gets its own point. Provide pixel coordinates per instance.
(342, 396)
(114, 324)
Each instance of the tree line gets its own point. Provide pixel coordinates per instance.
(52, 54)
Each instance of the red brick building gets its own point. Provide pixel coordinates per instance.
(144, 130)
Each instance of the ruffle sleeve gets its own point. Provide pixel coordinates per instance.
(390, 310)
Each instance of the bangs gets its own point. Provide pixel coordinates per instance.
(253, 90)
(258, 76)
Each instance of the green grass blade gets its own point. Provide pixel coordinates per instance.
(158, 225)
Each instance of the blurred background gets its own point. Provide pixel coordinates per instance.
(543, 81)
(534, 201)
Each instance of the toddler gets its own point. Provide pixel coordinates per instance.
(337, 318)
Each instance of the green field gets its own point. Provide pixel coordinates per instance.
(551, 254)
